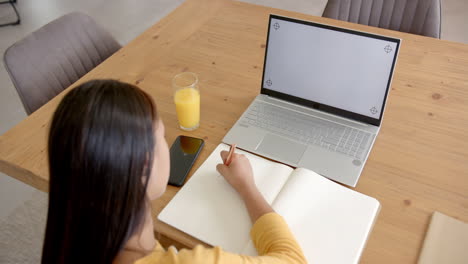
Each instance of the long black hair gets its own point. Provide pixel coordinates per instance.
(101, 147)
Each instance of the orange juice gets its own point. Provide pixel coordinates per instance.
(187, 101)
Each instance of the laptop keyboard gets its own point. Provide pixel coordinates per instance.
(308, 129)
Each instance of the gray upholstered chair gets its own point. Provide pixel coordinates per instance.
(420, 17)
(55, 56)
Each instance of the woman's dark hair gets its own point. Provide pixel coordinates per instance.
(101, 147)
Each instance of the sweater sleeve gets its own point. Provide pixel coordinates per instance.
(271, 236)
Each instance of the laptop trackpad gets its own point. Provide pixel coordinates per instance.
(281, 148)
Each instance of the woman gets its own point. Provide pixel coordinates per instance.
(108, 159)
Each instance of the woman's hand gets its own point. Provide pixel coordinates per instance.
(239, 173)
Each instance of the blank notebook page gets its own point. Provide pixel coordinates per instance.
(208, 208)
(330, 222)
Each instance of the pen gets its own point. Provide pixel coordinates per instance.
(229, 157)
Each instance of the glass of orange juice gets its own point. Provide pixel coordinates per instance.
(187, 100)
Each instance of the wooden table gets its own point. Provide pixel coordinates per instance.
(419, 162)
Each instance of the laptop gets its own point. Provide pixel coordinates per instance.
(322, 98)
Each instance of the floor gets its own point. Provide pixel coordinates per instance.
(126, 19)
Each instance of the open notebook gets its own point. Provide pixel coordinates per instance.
(330, 222)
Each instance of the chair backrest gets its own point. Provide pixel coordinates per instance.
(55, 56)
(420, 17)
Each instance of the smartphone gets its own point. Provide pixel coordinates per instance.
(184, 151)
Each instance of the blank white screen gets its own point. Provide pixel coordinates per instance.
(339, 69)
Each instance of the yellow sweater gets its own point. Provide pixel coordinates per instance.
(271, 235)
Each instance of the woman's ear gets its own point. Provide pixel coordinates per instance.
(146, 170)
(161, 165)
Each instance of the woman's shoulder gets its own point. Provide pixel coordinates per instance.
(199, 254)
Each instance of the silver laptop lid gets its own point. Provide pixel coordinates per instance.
(336, 70)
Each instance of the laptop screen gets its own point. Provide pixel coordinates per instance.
(337, 70)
